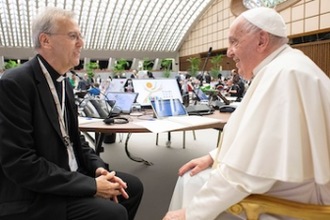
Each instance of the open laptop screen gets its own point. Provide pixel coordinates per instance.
(124, 100)
(200, 95)
(149, 89)
(167, 108)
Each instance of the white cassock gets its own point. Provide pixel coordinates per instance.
(277, 142)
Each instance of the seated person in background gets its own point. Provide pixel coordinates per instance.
(233, 72)
(95, 90)
(276, 142)
(233, 90)
(220, 85)
(73, 81)
(47, 169)
(228, 86)
(134, 74)
(238, 87)
(129, 86)
(199, 77)
(195, 82)
(187, 76)
(117, 76)
(207, 78)
(220, 76)
(98, 79)
(238, 80)
(150, 75)
(85, 83)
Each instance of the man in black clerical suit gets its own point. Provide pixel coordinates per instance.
(48, 171)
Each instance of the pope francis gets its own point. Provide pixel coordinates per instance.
(277, 141)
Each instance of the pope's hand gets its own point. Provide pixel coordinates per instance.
(196, 165)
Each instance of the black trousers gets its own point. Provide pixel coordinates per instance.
(93, 208)
(90, 208)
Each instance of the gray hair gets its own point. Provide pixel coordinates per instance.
(275, 40)
(47, 22)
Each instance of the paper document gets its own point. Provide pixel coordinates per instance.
(86, 120)
(175, 123)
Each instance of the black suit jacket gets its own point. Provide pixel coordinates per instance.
(35, 177)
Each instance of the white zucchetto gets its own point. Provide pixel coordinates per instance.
(266, 19)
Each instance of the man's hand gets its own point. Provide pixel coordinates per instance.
(100, 171)
(109, 186)
(196, 165)
(176, 215)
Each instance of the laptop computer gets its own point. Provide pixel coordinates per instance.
(124, 100)
(168, 108)
(200, 95)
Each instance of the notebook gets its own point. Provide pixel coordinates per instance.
(168, 108)
(124, 100)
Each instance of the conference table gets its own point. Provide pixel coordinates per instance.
(101, 129)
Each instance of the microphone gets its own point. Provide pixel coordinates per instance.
(207, 58)
(74, 73)
(109, 102)
(103, 106)
(210, 51)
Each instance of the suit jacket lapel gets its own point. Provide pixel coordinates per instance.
(70, 106)
(46, 97)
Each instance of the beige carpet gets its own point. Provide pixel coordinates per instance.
(160, 178)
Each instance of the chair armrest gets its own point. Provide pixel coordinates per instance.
(254, 205)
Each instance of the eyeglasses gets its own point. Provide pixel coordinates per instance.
(74, 36)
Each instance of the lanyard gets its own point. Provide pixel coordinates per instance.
(60, 110)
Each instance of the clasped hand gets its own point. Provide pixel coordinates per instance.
(109, 186)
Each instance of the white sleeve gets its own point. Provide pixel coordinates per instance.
(225, 187)
(213, 153)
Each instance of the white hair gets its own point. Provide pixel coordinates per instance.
(47, 22)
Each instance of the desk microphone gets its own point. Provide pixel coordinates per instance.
(104, 108)
(207, 58)
(113, 111)
(115, 120)
(74, 73)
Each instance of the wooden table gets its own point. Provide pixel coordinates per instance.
(100, 129)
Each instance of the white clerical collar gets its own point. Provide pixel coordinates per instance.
(269, 59)
(61, 78)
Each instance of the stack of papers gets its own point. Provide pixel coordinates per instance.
(176, 123)
(86, 120)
